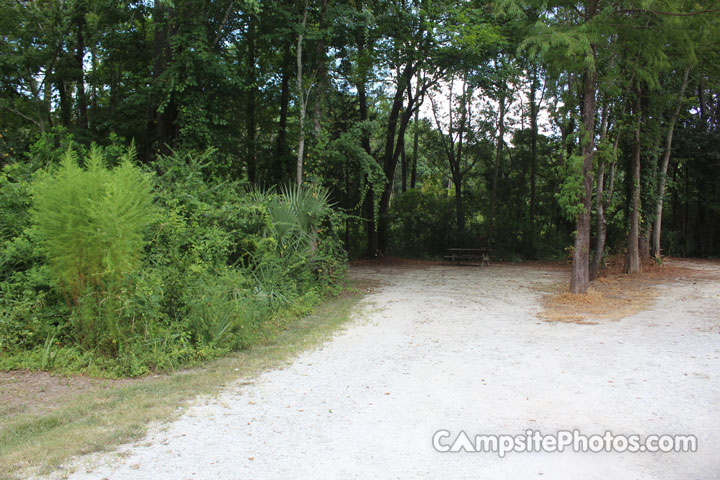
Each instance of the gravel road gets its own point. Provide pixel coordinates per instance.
(458, 349)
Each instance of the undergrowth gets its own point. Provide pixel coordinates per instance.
(114, 270)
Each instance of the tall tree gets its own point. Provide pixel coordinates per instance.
(632, 260)
(303, 93)
(455, 132)
(662, 175)
(568, 40)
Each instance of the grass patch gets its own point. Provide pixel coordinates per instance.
(39, 436)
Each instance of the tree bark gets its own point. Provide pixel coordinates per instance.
(632, 260)
(303, 100)
(662, 175)
(601, 205)
(600, 201)
(47, 96)
(701, 101)
(580, 275)
(65, 102)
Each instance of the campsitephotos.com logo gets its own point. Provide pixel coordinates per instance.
(535, 441)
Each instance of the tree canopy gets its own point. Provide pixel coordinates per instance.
(559, 129)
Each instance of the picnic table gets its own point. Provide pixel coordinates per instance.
(457, 255)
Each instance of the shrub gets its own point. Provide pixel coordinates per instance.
(118, 273)
(90, 223)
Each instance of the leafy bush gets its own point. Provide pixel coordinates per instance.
(90, 223)
(123, 273)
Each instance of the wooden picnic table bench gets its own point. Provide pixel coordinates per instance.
(458, 255)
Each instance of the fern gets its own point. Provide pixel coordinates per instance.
(90, 222)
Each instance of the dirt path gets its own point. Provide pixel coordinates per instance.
(455, 348)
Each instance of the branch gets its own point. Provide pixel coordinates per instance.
(464, 172)
(19, 113)
(442, 136)
(224, 22)
(671, 14)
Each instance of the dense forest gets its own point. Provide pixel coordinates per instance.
(174, 174)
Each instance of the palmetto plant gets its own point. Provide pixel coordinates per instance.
(296, 214)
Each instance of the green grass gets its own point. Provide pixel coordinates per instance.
(107, 417)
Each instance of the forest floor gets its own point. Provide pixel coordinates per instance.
(491, 350)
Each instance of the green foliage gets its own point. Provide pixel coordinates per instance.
(91, 221)
(91, 224)
(422, 223)
(15, 200)
(110, 282)
(221, 263)
(569, 196)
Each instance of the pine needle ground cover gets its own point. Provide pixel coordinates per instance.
(613, 296)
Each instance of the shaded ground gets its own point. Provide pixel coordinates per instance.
(461, 348)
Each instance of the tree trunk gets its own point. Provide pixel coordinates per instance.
(395, 129)
(93, 102)
(369, 206)
(498, 158)
(533, 157)
(303, 100)
(459, 212)
(580, 275)
(601, 218)
(159, 25)
(281, 149)
(79, 59)
(600, 201)
(454, 148)
(47, 96)
(601, 222)
(65, 102)
(321, 75)
(657, 227)
(403, 167)
(166, 128)
(701, 101)
(251, 128)
(644, 244)
(416, 131)
(632, 260)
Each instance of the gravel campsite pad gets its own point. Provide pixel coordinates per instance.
(441, 347)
